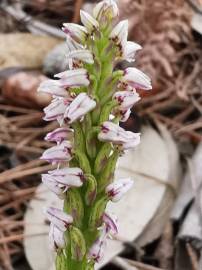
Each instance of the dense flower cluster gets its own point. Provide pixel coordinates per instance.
(89, 100)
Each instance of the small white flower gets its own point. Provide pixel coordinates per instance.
(60, 180)
(117, 189)
(71, 177)
(56, 238)
(58, 218)
(59, 135)
(56, 109)
(88, 21)
(75, 31)
(97, 250)
(74, 78)
(111, 132)
(136, 79)
(58, 153)
(53, 87)
(81, 55)
(126, 99)
(120, 33)
(106, 8)
(110, 222)
(129, 51)
(81, 105)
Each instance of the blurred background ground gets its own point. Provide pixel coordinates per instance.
(169, 32)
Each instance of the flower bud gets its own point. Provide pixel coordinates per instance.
(75, 31)
(80, 106)
(83, 162)
(81, 55)
(91, 189)
(58, 218)
(56, 238)
(97, 212)
(74, 78)
(53, 87)
(59, 135)
(59, 153)
(116, 190)
(136, 79)
(102, 158)
(111, 132)
(78, 244)
(74, 205)
(107, 175)
(88, 21)
(106, 9)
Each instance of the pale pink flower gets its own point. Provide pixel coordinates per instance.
(59, 135)
(136, 79)
(129, 51)
(120, 33)
(80, 106)
(53, 87)
(110, 222)
(56, 109)
(126, 99)
(59, 153)
(116, 190)
(58, 218)
(74, 78)
(88, 21)
(97, 250)
(81, 55)
(111, 132)
(75, 31)
(56, 238)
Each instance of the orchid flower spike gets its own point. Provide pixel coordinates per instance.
(89, 99)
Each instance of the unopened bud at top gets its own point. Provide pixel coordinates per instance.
(106, 9)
